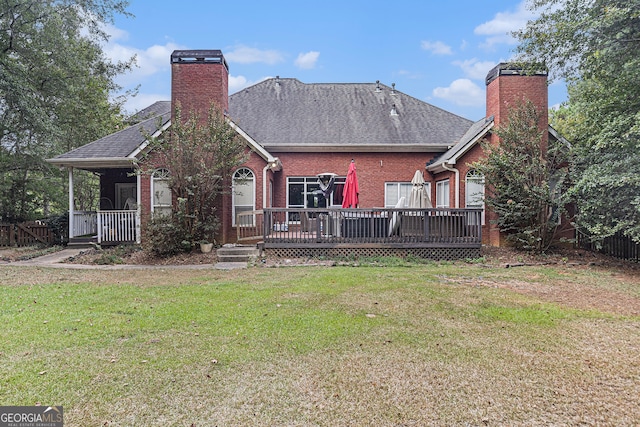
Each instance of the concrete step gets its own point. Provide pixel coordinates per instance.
(237, 253)
(82, 242)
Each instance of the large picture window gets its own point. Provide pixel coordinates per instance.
(244, 200)
(161, 200)
(394, 191)
(304, 192)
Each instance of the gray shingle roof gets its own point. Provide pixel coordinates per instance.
(281, 113)
(124, 142)
(156, 109)
(478, 129)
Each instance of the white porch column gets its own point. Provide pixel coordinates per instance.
(71, 204)
(138, 206)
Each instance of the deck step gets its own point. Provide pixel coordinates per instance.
(237, 253)
(82, 242)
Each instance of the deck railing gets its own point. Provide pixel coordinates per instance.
(390, 227)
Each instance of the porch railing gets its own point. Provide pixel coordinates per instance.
(85, 223)
(390, 227)
(119, 226)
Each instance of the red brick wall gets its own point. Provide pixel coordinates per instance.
(373, 170)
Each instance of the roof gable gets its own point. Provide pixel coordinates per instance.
(122, 144)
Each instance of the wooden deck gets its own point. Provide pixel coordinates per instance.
(376, 228)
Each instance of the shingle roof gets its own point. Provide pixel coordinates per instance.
(124, 142)
(282, 113)
(473, 134)
(156, 109)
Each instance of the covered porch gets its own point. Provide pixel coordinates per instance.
(117, 217)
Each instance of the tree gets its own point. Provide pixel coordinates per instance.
(55, 87)
(595, 46)
(200, 155)
(524, 181)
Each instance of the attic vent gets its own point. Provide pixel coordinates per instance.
(278, 81)
(394, 111)
(393, 88)
(378, 86)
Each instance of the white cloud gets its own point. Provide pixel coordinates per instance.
(237, 83)
(143, 100)
(436, 48)
(498, 30)
(461, 92)
(250, 55)
(307, 61)
(475, 69)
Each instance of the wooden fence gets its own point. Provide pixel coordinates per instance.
(617, 246)
(25, 234)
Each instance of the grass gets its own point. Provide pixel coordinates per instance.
(434, 344)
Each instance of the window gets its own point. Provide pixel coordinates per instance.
(474, 191)
(393, 191)
(304, 192)
(442, 194)
(160, 192)
(244, 191)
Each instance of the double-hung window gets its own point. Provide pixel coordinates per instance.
(442, 194)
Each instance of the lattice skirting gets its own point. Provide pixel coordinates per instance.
(437, 254)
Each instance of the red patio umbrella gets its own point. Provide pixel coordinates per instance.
(351, 190)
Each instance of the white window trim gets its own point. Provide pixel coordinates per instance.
(474, 176)
(152, 189)
(439, 202)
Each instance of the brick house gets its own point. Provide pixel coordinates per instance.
(296, 131)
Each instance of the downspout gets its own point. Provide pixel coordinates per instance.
(273, 164)
(445, 166)
(264, 185)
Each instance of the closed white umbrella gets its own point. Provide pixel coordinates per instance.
(419, 197)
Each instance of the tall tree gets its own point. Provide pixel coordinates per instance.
(595, 46)
(200, 154)
(55, 87)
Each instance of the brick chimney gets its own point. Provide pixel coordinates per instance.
(508, 86)
(198, 78)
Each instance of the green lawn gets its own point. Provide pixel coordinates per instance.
(448, 344)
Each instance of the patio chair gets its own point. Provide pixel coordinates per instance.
(396, 217)
(308, 224)
(106, 204)
(130, 204)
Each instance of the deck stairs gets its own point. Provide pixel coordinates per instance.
(237, 253)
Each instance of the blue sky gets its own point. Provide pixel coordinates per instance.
(436, 51)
